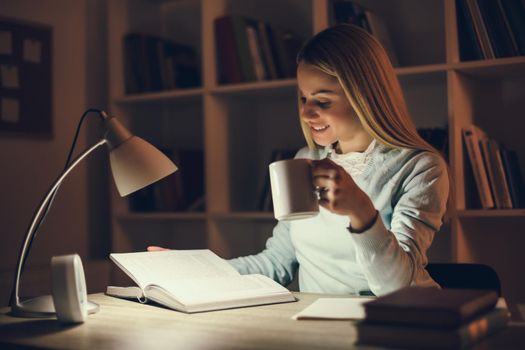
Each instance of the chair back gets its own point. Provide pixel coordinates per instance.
(466, 276)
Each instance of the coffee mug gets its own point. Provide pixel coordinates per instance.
(293, 192)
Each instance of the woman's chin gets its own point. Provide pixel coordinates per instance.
(323, 142)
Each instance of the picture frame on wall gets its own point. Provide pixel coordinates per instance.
(25, 78)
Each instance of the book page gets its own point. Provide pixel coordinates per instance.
(335, 309)
(218, 289)
(172, 265)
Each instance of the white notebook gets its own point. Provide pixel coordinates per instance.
(194, 281)
(334, 309)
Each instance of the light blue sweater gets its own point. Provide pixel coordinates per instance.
(409, 188)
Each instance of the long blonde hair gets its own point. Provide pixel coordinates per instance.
(362, 67)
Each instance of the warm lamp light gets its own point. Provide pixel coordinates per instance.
(134, 164)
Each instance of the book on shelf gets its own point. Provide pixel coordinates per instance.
(514, 12)
(193, 281)
(496, 173)
(437, 138)
(430, 307)
(153, 63)
(469, 45)
(472, 136)
(514, 177)
(181, 191)
(347, 11)
(414, 337)
(228, 60)
(252, 50)
(498, 31)
(480, 29)
(490, 28)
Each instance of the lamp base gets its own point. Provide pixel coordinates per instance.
(43, 307)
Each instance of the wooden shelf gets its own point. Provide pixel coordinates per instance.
(164, 216)
(501, 67)
(240, 215)
(491, 213)
(426, 69)
(255, 88)
(179, 94)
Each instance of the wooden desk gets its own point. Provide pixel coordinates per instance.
(122, 324)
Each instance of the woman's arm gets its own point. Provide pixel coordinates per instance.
(277, 261)
(395, 258)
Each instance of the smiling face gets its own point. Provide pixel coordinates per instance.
(326, 110)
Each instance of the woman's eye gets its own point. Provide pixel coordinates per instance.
(323, 105)
(303, 100)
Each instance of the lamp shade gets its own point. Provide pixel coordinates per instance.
(136, 164)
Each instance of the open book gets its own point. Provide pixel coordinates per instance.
(194, 281)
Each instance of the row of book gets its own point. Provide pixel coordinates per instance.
(180, 191)
(252, 50)
(495, 169)
(152, 63)
(431, 318)
(490, 29)
(346, 11)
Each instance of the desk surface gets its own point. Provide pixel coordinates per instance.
(122, 324)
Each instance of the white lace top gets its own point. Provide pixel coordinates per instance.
(353, 162)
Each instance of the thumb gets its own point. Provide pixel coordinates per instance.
(154, 248)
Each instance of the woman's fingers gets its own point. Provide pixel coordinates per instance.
(154, 248)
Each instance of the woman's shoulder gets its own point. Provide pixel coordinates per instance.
(411, 159)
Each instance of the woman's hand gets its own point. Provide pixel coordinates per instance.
(154, 248)
(339, 193)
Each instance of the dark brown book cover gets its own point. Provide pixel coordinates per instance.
(430, 307)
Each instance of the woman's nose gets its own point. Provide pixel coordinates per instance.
(308, 111)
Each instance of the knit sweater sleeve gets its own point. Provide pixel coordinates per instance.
(276, 261)
(395, 258)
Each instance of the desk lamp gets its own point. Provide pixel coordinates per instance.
(134, 164)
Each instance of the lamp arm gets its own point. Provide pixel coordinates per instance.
(15, 301)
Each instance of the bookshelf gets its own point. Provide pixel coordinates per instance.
(238, 125)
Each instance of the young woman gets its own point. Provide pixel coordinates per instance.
(383, 190)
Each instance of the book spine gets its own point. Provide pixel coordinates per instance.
(228, 60)
(241, 40)
(137, 78)
(267, 50)
(255, 52)
(488, 162)
(469, 45)
(499, 175)
(481, 30)
(480, 174)
(515, 12)
(508, 28)
(153, 63)
(498, 35)
(514, 177)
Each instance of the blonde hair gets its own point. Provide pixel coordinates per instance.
(362, 68)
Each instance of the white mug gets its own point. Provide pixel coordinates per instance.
(293, 192)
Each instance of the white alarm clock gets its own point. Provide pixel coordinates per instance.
(69, 288)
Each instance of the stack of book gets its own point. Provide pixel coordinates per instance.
(496, 171)
(431, 318)
(252, 50)
(489, 29)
